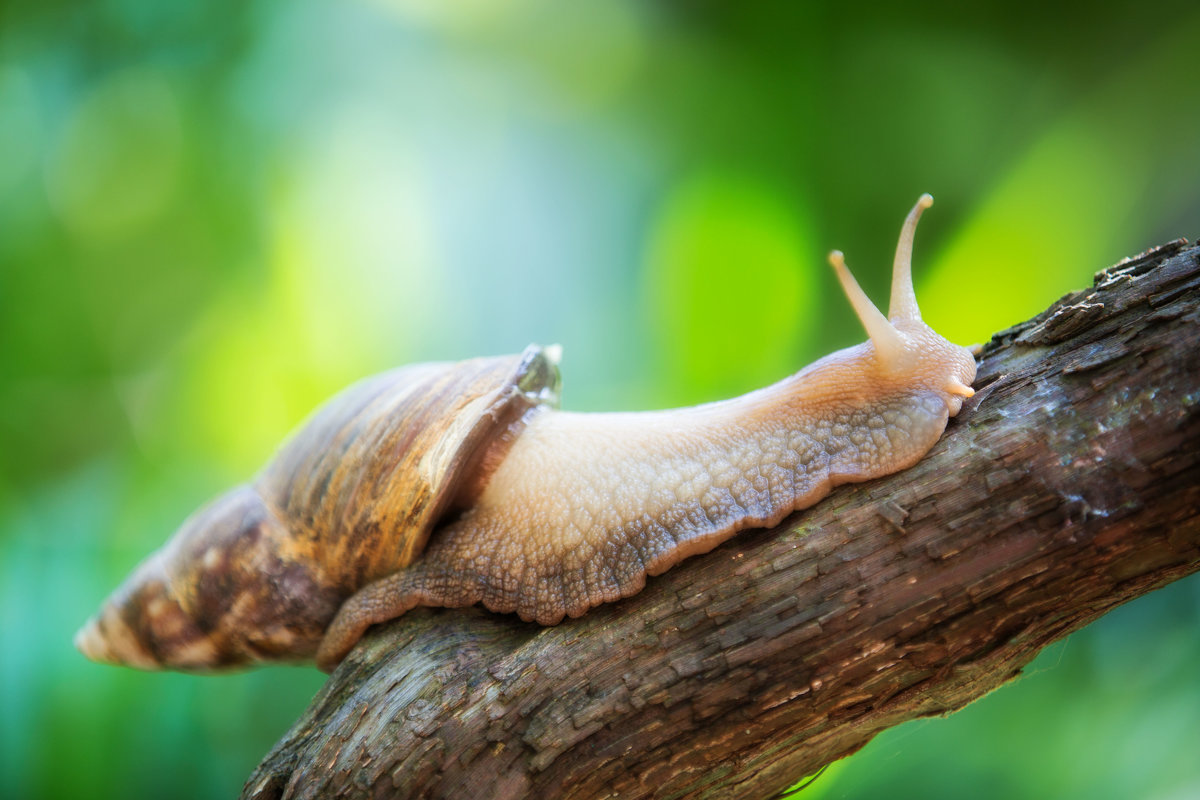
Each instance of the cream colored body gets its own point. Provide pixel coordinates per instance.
(572, 479)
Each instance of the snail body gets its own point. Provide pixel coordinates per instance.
(456, 484)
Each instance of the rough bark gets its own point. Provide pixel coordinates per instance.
(1069, 484)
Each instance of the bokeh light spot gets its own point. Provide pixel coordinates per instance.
(117, 164)
(1027, 242)
(19, 129)
(728, 284)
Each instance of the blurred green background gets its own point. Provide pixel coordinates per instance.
(215, 214)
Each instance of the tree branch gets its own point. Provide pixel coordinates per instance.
(1068, 485)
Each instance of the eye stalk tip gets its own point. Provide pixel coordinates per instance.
(904, 299)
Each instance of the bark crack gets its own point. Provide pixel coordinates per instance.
(1069, 484)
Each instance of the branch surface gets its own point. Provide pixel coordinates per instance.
(1068, 485)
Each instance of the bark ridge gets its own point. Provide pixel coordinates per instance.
(1069, 484)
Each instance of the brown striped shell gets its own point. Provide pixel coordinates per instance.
(352, 496)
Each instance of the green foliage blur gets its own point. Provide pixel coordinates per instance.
(215, 214)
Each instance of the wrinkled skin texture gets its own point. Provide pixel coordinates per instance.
(585, 506)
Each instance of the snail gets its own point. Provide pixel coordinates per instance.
(453, 484)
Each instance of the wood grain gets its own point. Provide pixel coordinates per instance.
(1069, 484)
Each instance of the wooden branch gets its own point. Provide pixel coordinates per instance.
(1068, 485)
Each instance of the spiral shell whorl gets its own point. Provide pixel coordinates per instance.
(258, 574)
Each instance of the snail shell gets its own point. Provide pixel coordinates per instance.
(258, 573)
